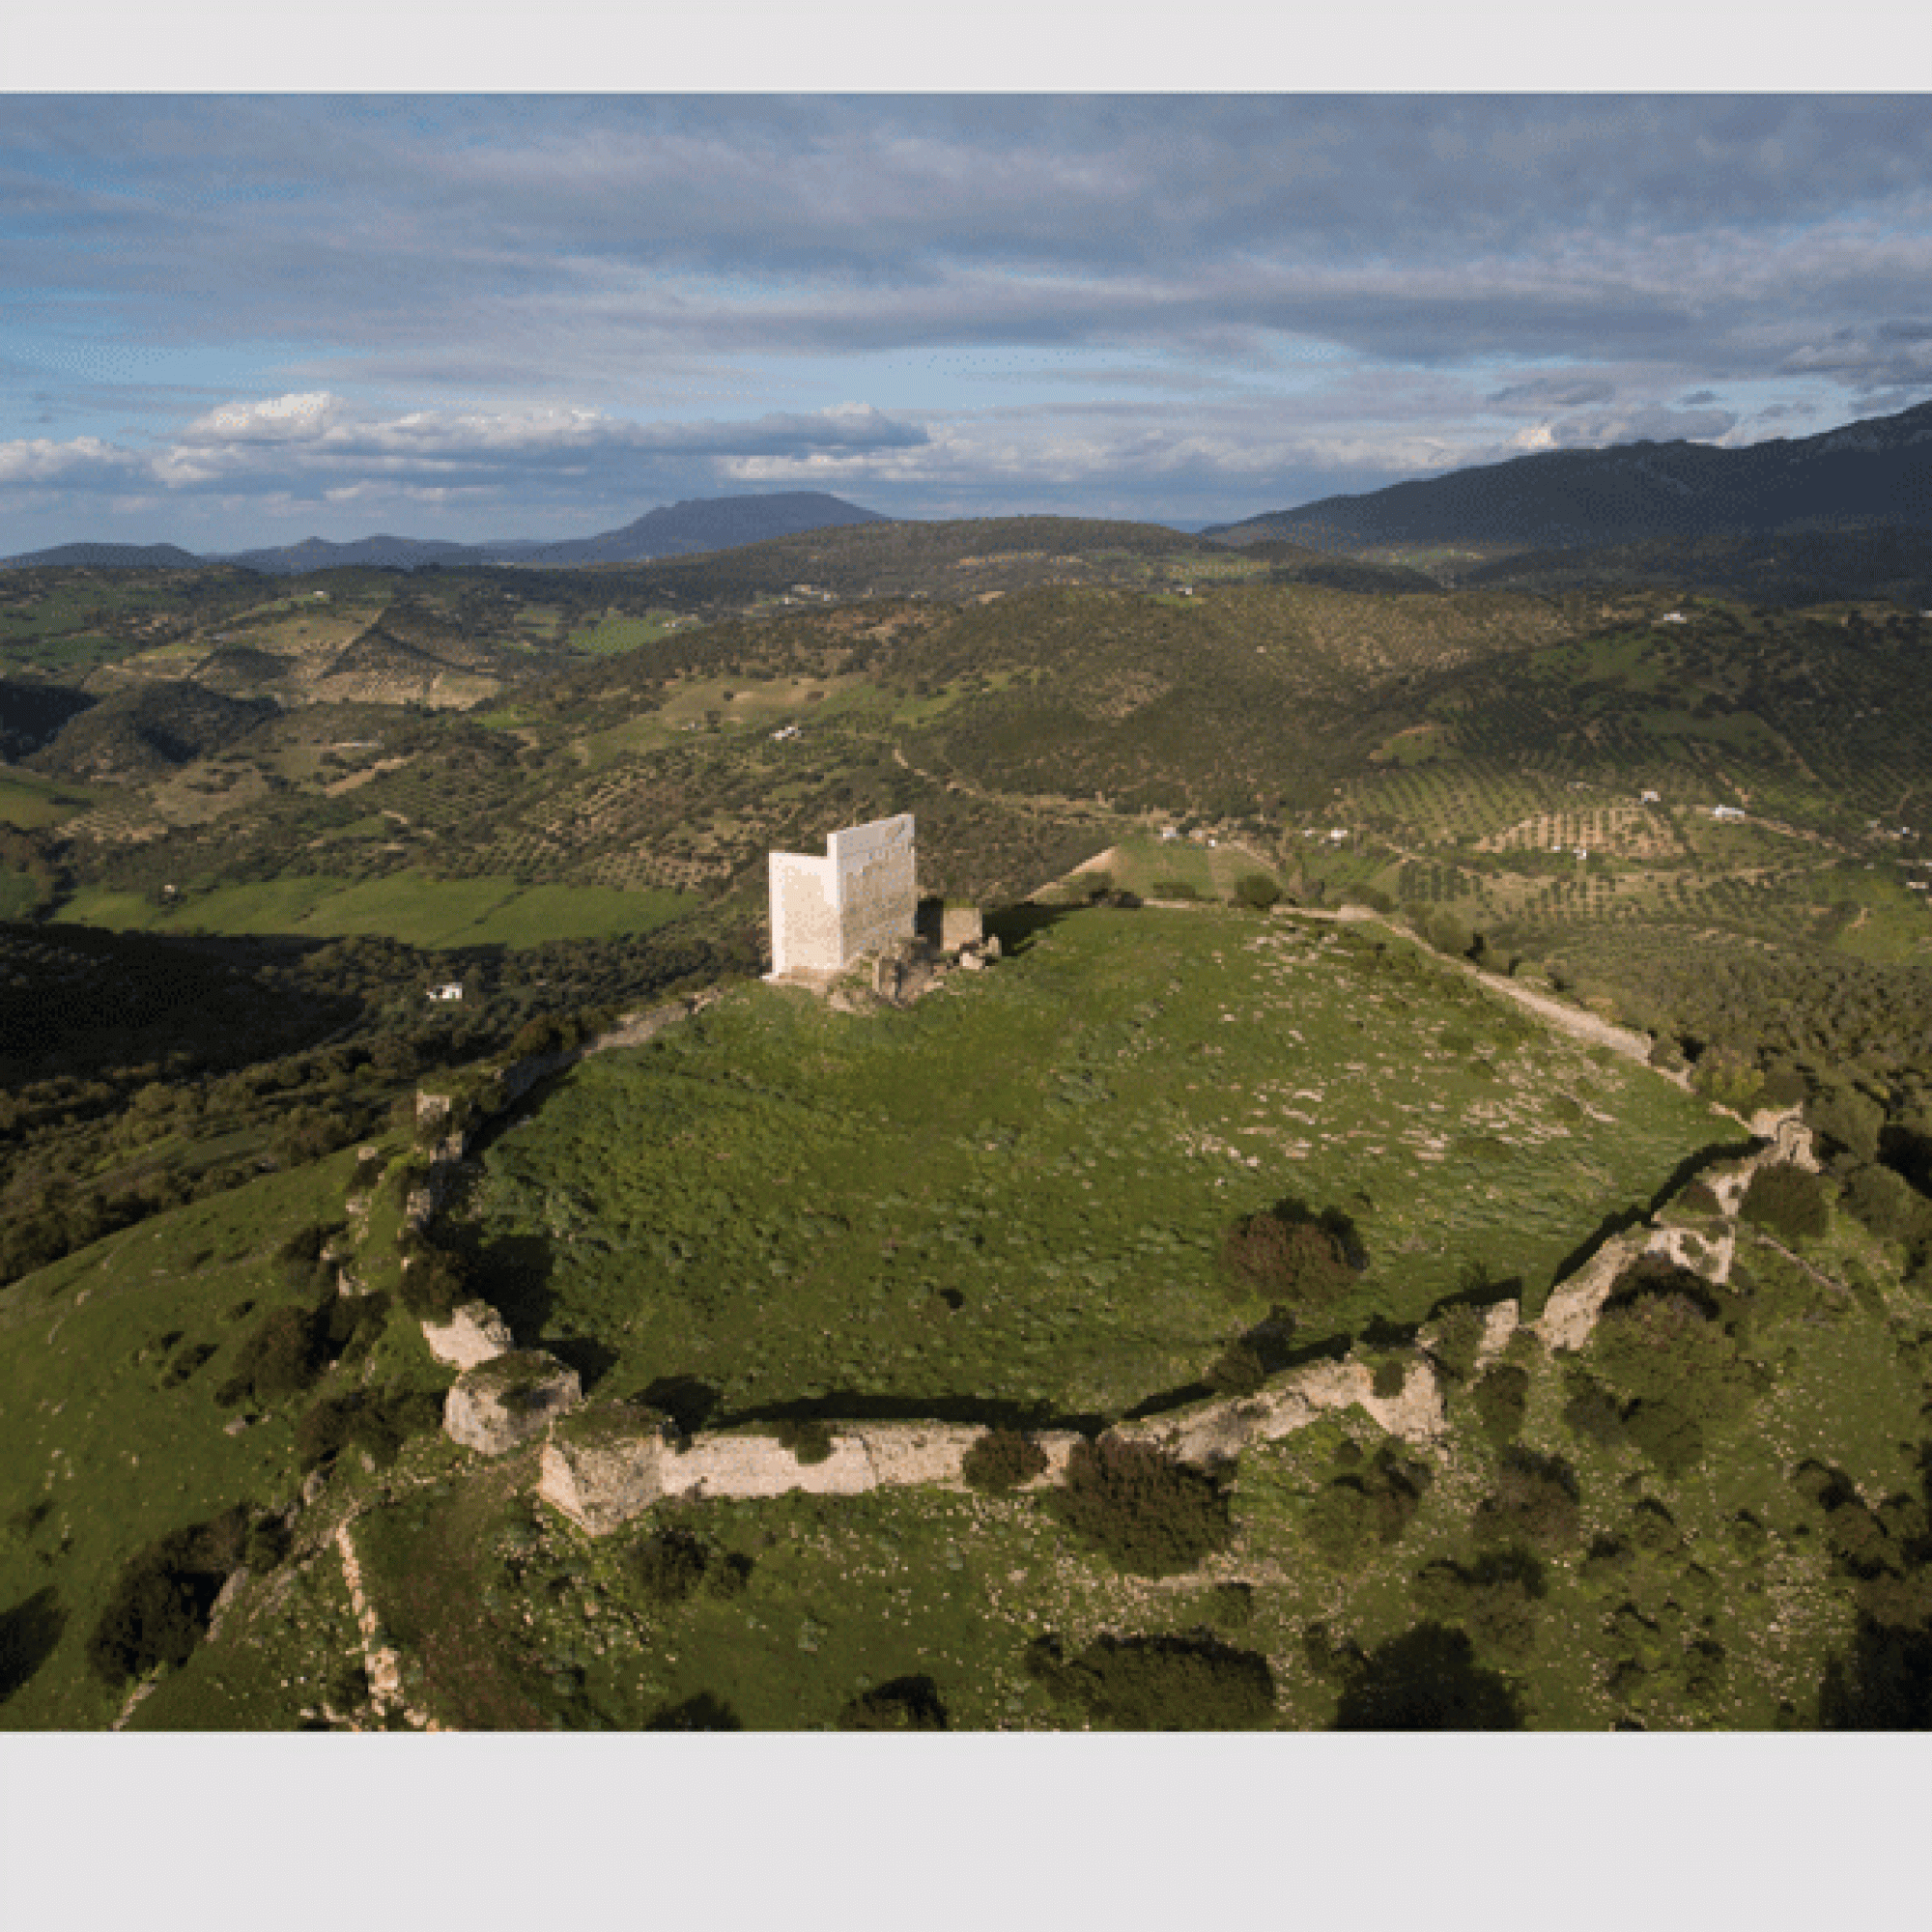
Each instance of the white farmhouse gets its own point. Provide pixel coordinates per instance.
(858, 898)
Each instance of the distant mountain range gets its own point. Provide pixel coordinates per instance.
(683, 529)
(1874, 471)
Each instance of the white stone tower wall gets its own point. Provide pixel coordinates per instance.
(858, 898)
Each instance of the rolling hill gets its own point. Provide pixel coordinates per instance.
(1874, 471)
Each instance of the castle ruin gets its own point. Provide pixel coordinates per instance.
(861, 898)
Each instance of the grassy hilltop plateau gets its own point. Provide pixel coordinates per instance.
(1422, 1220)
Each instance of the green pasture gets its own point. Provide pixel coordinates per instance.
(400, 905)
(109, 1433)
(1146, 863)
(1015, 1191)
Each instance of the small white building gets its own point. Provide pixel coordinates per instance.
(453, 990)
(1727, 813)
(1648, 797)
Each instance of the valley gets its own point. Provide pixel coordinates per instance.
(1292, 858)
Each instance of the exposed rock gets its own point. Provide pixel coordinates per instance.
(602, 1467)
(509, 1400)
(474, 1334)
(761, 1466)
(960, 926)
(971, 962)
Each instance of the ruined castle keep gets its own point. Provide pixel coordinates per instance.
(858, 898)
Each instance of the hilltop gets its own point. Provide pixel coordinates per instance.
(1877, 471)
(703, 523)
(1493, 1472)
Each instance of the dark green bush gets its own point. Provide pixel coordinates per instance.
(1369, 1505)
(1159, 1683)
(1698, 1199)
(284, 1353)
(1146, 1514)
(1390, 1375)
(1238, 1370)
(1788, 1200)
(161, 1603)
(1290, 1254)
(1495, 1599)
(906, 1704)
(1257, 891)
(1886, 1203)
(433, 1282)
(1534, 1504)
(1002, 1459)
(1848, 1119)
(669, 1564)
(1662, 1344)
(808, 1438)
(379, 1424)
(1459, 1336)
(1501, 1398)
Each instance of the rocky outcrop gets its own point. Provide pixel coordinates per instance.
(474, 1334)
(1217, 1431)
(606, 1467)
(509, 1400)
(602, 1467)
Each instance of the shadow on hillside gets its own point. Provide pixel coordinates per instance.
(1681, 1177)
(856, 1405)
(29, 1634)
(1426, 1679)
(1017, 926)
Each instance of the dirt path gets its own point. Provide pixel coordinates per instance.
(1560, 1013)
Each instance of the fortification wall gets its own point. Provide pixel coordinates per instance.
(806, 933)
(877, 885)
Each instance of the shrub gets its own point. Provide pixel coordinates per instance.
(1257, 891)
(1886, 1203)
(160, 1604)
(1788, 1200)
(1290, 1254)
(1592, 1411)
(1679, 1368)
(433, 1282)
(297, 1256)
(906, 1704)
(284, 1353)
(670, 1566)
(1534, 1502)
(1501, 1397)
(1238, 1370)
(1459, 1336)
(1146, 1514)
(1159, 1683)
(1002, 1459)
(1390, 1376)
(808, 1438)
(1847, 1118)
(1495, 1599)
(1698, 1199)
(378, 1424)
(1365, 1506)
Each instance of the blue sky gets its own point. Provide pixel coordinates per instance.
(237, 319)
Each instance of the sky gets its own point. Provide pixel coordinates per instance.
(244, 318)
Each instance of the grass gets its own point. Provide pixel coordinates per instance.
(400, 905)
(1016, 1194)
(28, 802)
(99, 1452)
(1145, 866)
